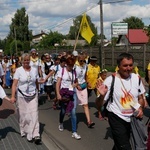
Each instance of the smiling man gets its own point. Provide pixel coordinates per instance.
(127, 98)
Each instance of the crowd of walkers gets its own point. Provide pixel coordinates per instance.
(73, 77)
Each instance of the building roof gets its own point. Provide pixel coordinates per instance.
(39, 35)
(137, 36)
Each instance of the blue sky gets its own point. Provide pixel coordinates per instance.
(57, 15)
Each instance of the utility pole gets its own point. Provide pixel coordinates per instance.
(101, 52)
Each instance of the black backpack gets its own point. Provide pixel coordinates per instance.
(47, 68)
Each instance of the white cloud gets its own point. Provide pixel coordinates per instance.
(55, 14)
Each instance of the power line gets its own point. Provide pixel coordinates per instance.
(71, 18)
(114, 1)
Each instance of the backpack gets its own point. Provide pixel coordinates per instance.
(47, 67)
(104, 111)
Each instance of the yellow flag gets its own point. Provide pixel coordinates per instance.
(148, 67)
(136, 70)
(116, 69)
(85, 29)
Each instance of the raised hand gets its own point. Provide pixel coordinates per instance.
(102, 89)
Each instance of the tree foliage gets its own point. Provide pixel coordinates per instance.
(134, 22)
(19, 30)
(147, 31)
(51, 39)
(73, 32)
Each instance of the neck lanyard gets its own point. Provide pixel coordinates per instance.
(124, 85)
(70, 77)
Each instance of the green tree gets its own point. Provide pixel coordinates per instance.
(147, 31)
(51, 39)
(2, 44)
(19, 30)
(73, 32)
(134, 22)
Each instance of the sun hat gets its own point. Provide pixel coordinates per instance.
(94, 58)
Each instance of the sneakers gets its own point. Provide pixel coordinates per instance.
(61, 127)
(76, 136)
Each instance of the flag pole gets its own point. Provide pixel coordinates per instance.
(77, 36)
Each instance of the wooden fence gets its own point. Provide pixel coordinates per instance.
(141, 54)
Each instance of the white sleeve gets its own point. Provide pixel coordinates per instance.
(1, 70)
(60, 73)
(107, 82)
(16, 75)
(2, 93)
(52, 67)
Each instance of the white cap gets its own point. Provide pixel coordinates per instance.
(33, 50)
(75, 53)
(1, 50)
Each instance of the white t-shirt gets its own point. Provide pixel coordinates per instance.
(35, 64)
(7, 65)
(81, 71)
(2, 93)
(42, 65)
(50, 79)
(26, 80)
(67, 78)
(1, 72)
(57, 68)
(125, 95)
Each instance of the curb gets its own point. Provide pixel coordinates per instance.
(50, 142)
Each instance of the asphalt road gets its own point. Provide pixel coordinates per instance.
(97, 138)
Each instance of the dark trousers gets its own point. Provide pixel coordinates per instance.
(90, 92)
(121, 132)
(62, 112)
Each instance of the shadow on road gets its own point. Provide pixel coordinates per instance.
(108, 134)
(41, 128)
(5, 113)
(6, 130)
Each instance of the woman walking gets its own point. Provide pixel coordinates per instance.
(81, 89)
(25, 84)
(65, 89)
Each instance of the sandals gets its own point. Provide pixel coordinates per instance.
(37, 140)
(90, 124)
(101, 118)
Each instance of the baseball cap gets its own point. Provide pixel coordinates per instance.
(75, 53)
(33, 50)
